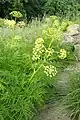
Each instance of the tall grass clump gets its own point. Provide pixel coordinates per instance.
(27, 70)
(72, 100)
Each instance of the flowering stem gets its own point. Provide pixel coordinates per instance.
(30, 80)
(50, 43)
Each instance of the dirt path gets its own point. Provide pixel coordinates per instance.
(56, 111)
(53, 112)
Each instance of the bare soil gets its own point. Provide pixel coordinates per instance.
(53, 112)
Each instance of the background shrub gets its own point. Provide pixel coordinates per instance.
(63, 8)
(37, 8)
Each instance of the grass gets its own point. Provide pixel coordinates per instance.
(19, 99)
(72, 100)
(29, 33)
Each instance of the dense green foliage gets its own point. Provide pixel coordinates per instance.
(29, 65)
(29, 8)
(37, 8)
(66, 8)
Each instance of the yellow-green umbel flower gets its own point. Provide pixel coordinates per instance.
(53, 17)
(50, 70)
(9, 23)
(21, 24)
(38, 49)
(49, 52)
(16, 14)
(56, 24)
(63, 54)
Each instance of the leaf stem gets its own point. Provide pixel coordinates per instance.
(30, 80)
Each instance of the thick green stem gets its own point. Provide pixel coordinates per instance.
(50, 43)
(30, 80)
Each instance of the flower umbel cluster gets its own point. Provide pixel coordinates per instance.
(50, 70)
(21, 24)
(63, 54)
(49, 52)
(48, 33)
(9, 23)
(39, 49)
(16, 14)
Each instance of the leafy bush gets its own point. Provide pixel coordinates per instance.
(63, 8)
(29, 8)
(37, 8)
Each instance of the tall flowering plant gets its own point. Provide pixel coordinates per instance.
(47, 50)
(27, 72)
